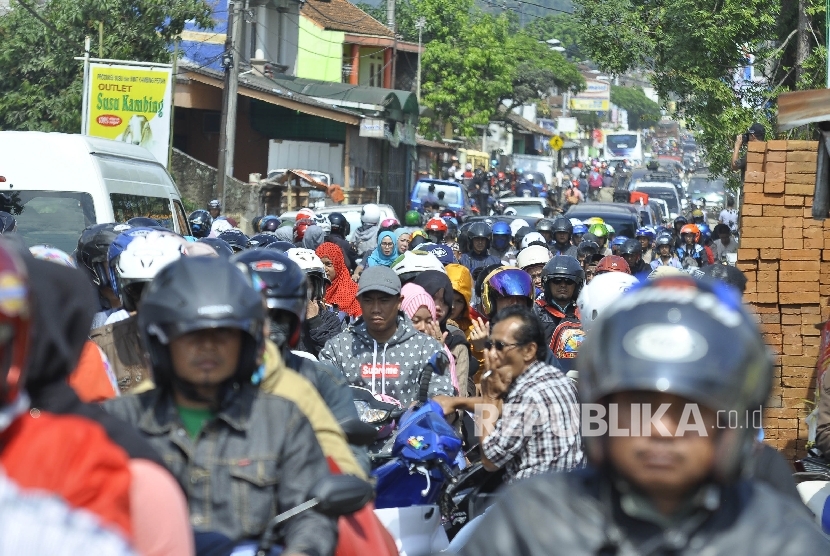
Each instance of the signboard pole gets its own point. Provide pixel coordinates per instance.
(85, 101)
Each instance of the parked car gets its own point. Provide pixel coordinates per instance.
(57, 184)
(523, 206)
(623, 217)
(455, 195)
(351, 212)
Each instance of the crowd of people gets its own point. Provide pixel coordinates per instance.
(172, 394)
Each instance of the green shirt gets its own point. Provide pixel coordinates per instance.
(194, 419)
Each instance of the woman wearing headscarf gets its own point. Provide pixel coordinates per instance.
(342, 291)
(419, 306)
(386, 251)
(438, 285)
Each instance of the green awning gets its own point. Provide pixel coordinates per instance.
(277, 122)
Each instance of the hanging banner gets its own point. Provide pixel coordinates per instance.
(130, 104)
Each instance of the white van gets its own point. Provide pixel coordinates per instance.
(57, 184)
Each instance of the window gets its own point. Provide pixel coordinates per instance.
(126, 206)
(452, 193)
(181, 217)
(54, 218)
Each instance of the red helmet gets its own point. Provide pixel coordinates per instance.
(691, 229)
(613, 263)
(447, 213)
(300, 227)
(15, 315)
(436, 224)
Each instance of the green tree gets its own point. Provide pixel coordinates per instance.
(564, 27)
(694, 50)
(536, 69)
(642, 111)
(41, 84)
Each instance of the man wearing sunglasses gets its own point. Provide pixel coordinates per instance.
(562, 280)
(528, 414)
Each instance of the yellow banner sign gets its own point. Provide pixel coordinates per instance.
(589, 105)
(131, 104)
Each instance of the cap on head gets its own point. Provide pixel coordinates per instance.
(758, 131)
(379, 279)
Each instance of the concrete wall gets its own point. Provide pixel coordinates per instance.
(319, 52)
(785, 256)
(196, 185)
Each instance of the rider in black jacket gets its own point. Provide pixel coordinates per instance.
(675, 371)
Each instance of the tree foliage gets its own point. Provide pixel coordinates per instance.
(41, 84)
(642, 111)
(695, 51)
(536, 69)
(564, 27)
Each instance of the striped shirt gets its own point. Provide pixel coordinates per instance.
(539, 427)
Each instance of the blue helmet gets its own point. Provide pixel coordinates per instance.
(619, 240)
(705, 231)
(580, 229)
(501, 228)
(645, 231)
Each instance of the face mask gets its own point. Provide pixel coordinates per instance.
(279, 332)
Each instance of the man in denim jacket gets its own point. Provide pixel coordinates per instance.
(241, 456)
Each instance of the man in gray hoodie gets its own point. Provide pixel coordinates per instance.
(383, 351)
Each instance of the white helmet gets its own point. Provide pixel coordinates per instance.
(601, 292)
(314, 270)
(576, 222)
(468, 166)
(307, 260)
(535, 254)
(370, 214)
(141, 260)
(323, 221)
(531, 237)
(517, 225)
(411, 263)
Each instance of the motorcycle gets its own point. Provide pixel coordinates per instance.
(812, 479)
(412, 463)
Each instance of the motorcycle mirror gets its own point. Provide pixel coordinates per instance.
(338, 495)
(358, 433)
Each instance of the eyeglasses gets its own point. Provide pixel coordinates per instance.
(387, 244)
(562, 281)
(498, 344)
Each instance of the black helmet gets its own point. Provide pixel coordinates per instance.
(8, 223)
(631, 247)
(680, 221)
(255, 224)
(688, 338)
(562, 224)
(236, 239)
(200, 222)
(663, 238)
(219, 245)
(727, 274)
(339, 224)
(93, 246)
(144, 221)
(262, 240)
(285, 290)
(281, 246)
(562, 266)
(269, 223)
(587, 248)
(198, 293)
(544, 225)
(520, 234)
(480, 229)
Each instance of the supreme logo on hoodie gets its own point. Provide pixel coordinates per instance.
(392, 370)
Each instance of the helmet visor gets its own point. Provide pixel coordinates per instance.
(512, 282)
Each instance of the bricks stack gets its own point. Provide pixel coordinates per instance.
(787, 264)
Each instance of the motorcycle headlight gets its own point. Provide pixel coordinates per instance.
(368, 414)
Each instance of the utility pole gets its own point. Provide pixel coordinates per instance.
(420, 24)
(802, 51)
(390, 22)
(227, 133)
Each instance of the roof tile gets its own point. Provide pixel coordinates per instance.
(342, 15)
